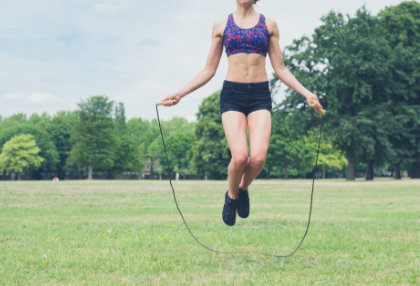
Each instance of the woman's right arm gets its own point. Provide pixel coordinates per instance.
(209, 69)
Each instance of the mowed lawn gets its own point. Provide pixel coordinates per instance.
(129, 233)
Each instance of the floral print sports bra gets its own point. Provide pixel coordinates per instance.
(254, 40)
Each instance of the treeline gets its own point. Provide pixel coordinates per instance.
(70, 144)
(97, 141)
(365, 69)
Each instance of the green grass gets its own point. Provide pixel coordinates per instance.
(129, 232)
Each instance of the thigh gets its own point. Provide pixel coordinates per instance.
(259, 126)
(234, 124)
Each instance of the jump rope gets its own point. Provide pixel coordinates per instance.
(322, 112)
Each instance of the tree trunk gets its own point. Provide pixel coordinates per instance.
(369, 171)
(286, 175)
(351, 176)
(397, 171)
(177, 176)
(90, 172)
(12, 176)
(18, 176)
(415, 170)
(323, 172)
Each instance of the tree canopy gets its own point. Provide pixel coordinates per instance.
(20, 154)
(355, 66)
(92, 135)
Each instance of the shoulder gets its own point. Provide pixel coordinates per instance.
(272, 26)
(219, 26)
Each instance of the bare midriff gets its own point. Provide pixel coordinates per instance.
(246, 68)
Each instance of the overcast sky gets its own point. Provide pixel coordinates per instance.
(53, 53)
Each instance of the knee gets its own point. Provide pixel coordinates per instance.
(257, 161)
(240, 161)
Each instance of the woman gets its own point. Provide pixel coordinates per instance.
(245, 100)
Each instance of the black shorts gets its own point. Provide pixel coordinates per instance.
(245, 97)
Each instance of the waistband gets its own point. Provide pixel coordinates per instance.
(264, 84)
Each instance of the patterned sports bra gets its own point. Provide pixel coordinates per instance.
(254, 40)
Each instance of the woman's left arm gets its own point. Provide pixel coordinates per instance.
(276, 58)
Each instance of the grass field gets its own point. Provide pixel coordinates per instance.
(129, 233)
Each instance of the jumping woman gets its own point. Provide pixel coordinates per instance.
(245, 100)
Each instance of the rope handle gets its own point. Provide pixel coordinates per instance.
(321, 111)
(160, 102)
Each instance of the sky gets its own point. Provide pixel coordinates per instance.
(55, 53)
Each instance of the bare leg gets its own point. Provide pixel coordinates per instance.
(259, 126)
(234, 124)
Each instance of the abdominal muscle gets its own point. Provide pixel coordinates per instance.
(246, 68)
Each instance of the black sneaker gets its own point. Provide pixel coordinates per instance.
(229, 210)
(243, 204)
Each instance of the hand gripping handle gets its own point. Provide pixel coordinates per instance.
(161, 102)
(321, 111)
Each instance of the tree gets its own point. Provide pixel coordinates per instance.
(347, 63)
(129, 152)
(93, 135)
(120, 120)
(43, 141)
(144, 133)
(40, 121)
(179, 147)
(179, 140)
(330, 158)
(59, 129)
(129, 156)
(13, 120)
(358, 59)
(20, 154)
(154, 152)
(211, 152)
(401, 24)
(288, 153)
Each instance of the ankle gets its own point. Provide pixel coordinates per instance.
(243, 189)
(233, 195)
